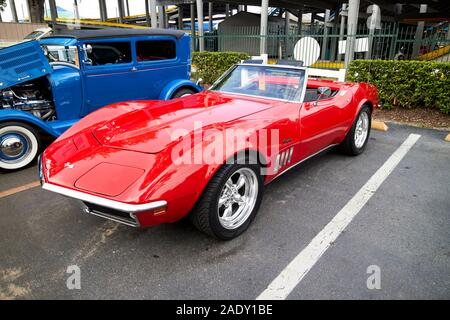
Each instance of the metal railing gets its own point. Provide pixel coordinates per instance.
(391, 42)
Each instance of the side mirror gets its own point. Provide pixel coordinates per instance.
(199, 81)
(323, 92)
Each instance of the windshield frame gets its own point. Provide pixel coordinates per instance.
(287, 67)
(36, 34)
(75, 49)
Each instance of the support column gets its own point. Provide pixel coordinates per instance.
(352, 24)
(12, 5)
(373, 24)
(180, 18)
(287, 22)
(448, 31)
(263, 28)
(161, 17)
(227, 10)
(334, 31)
(201, 39)
(121, 10)
(127, 5)
(287, 27)
(344, 14)
(192, 5)
(325, 34)
(75, 9)
(147, 14)
(53, 11)
(419, 33)
(300, 21)
(103, 12)
(153, 14)
(210, 16)
(166, 18)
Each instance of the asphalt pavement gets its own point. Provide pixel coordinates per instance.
(403, 231)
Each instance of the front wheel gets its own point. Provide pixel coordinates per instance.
(19, 145)
(229, 202)
(183, 93)
(356, 140)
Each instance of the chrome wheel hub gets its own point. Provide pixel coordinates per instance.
(237, 198)
(361, 130)
(12, 146)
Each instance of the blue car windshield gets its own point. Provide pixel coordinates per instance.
(274, 82)
(58, 53)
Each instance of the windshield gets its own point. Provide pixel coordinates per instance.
(67, 54)
(34, 35)
(263, 81)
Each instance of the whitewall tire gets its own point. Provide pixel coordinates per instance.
(19, 145)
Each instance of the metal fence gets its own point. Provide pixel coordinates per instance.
(391, 42)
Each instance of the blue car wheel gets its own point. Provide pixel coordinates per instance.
(19, 145)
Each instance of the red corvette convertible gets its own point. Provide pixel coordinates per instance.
(207, 155)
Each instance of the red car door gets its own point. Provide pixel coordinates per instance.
(321, 124)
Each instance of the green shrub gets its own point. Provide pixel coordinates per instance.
(211, 65)
(406, 84)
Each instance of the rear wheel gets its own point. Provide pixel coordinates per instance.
(356, 140)
(19, 145)
(183, 93)
(230, 201)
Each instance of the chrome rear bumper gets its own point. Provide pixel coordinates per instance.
(106, 208)
(126, 218)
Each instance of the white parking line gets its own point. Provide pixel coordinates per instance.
(288, 279)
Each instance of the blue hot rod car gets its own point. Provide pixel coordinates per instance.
(47, 86)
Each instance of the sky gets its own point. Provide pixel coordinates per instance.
(87, 8)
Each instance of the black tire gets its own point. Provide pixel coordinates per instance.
(33, 145)
(348, 146)
(205, 214)
(183, 92)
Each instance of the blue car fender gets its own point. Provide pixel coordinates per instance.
(174, 85)
(21, 116)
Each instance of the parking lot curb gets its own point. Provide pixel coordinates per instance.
(379, 125)
(447, 138)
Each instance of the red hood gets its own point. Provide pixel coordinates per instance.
(149, 126)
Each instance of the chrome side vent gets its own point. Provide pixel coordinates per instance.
(283, 159)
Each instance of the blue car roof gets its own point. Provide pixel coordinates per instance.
(114, 33)
(63, 41)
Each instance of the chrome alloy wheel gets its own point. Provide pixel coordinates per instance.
(361, 130)
(237, 198)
